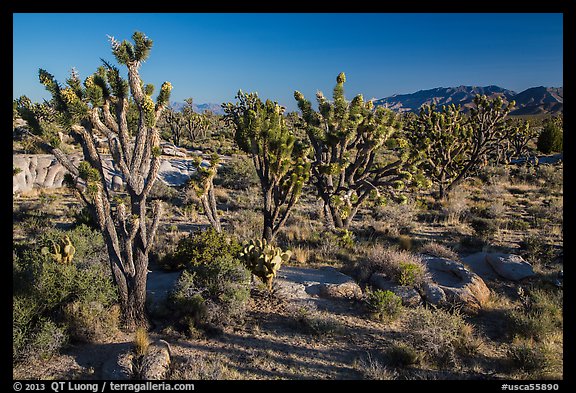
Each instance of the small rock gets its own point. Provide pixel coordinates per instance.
(117, 183)
(346, 290)
(510, 266)
(433, 294)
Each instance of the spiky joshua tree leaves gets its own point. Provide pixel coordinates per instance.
(99, 107)
(349, 139)
(279, 158)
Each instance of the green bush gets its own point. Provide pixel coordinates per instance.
(384, 306)
(88, 242)
(48, 339)
(43, 292)
(409, 273)
(213, 293)
(551, 137)
(201, 247)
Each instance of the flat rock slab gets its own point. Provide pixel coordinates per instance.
(494, 266)
(510, 266)
(315, 287)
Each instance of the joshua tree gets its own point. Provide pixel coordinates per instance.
(202, 183)
(196, 124)
(452, 147)
(99, 106)
(279, 158)
(440, 141)
(175, 121)
(521, 133)
(349, 141)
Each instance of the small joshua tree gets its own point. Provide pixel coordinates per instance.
(279, 158)
(202, 183)
(196, 124)
(521, 133)
(100, 107)
(174, 120)
(348, 139)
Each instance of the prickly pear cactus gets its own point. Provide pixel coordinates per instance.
(264, 259)
(61, 253)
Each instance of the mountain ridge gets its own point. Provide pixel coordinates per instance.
(534, 100)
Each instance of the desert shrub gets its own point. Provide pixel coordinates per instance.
(375, 369)
(402, 354)
(199, 367)
(246, 224)
(440, 335)
(409, 273)
(44, 293)
(316, 323)
(213, 293)
(91, 321)
(403, 267)
(536, 250)
(485, 228)
(396, 218)
(83, 216)
(34, 222)
(88, 242)
(439, 250)
(384, 306)
(551, 177)
(455, 206)
(161, 190)
(539, 316)
(405, 242)
(200, 247)
(48, 338)
(237, 174)
(551, 137)
(517, 224)
(141, 341)
(529, 357)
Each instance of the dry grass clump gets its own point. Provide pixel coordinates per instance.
(403, 267)
(439, 250)
(203, 367)
(441, 335)
(141, 341)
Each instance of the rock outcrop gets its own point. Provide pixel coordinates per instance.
(44, 171)
(452, 284)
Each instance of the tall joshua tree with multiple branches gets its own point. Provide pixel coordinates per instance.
(279, 158)
(348, 139)
(99, 107)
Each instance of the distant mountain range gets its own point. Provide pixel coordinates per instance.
(532, 101)
(199, 108)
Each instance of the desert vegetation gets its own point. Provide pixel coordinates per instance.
(410, 215)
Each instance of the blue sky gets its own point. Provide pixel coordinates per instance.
(210, 56)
